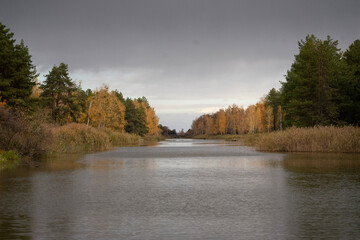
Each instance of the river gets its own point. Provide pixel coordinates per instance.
(184, 189)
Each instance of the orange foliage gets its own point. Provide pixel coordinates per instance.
(2, 102)
(106, 110)
(236, 120)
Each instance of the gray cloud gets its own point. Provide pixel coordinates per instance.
(175, 50)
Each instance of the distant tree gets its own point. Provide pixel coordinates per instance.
(143, 100)
(221, 121)
(58, 92)
(310, 88)
(350, 86)
(17, 73)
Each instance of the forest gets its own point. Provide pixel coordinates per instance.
(322, 88)
(58, 115)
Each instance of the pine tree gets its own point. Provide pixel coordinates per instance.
(135, 118)
(58, 92)
(17, 73)
(350, 86)
(309, 92)
(273, 100)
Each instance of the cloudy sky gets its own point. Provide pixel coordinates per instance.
(187, 57)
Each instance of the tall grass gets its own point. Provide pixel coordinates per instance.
(312, 139)
(76, 137)
(245, 139)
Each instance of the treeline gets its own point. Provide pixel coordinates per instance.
(322, 88)
(236, 120)
(62, 101)
(58, 112)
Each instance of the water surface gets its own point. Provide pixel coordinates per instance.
(184, 189)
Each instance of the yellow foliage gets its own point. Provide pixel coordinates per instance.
(36, 91)
(106, 110)
(256, 118)
(221, 121)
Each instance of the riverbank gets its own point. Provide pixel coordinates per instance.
(313, 139)
(25, 140)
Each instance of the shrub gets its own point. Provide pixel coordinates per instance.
(25, 137)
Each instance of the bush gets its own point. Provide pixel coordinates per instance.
(25, 137)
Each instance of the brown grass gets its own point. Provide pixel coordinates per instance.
(245, 139)
(76, 137)
(313, 139)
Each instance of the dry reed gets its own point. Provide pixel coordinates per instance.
(76, 137)
(312, 139)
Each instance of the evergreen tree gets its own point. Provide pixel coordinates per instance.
(17, 73)
(350, 86)
(308, 95)
(274, 101)
(58, 92)
(135, 118)
(120, 96)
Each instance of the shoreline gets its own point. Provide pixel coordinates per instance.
(319, 139)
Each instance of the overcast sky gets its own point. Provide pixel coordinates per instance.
(187, 57)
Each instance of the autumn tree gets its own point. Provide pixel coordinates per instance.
(221, 121)
(106, 110)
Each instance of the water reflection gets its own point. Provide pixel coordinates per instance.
(322, 162)
(194, 190)
(325, 191)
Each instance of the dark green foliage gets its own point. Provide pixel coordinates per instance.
(59, 92)
(17, 72)
(77, 104)
(135, 118)
(143, 100)
(309, 93)
(166, 132)
(273, 99)
(120, 96)
(350, 86)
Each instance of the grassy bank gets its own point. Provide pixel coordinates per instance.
(314, 139)
(76, 137)
(24, 140)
